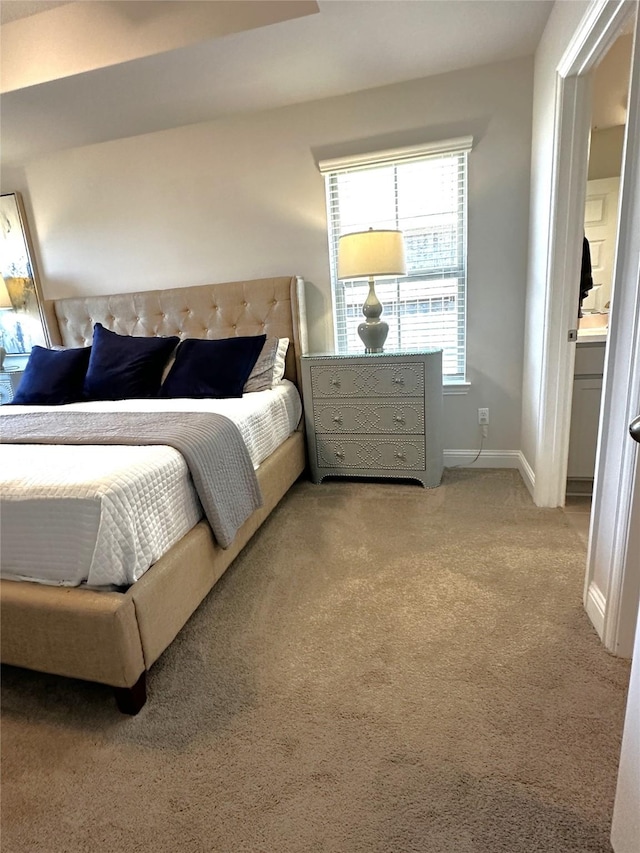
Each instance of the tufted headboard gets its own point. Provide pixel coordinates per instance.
(274, 306)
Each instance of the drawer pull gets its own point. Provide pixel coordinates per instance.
(339, 455)
(337, 419)
(335, 383)
(398, 380)
(400, 455)
(399, 419)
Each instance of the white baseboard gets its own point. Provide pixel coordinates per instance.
(595, 605)
(491, 459)
(527, 472)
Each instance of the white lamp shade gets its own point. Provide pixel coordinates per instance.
(371, 253)
(5, 299)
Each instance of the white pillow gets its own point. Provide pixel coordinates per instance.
(281, 360)
(269, 368)
(261, 376)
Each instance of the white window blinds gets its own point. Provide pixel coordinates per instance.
(423, 192)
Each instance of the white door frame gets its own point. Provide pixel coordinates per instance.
(608, 608)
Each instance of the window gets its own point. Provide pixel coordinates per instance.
(423, 192)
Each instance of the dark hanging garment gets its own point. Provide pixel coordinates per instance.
(586, 279)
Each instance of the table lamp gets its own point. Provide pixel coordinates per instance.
(369, 254)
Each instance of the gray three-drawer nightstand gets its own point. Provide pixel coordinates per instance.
(375, 415)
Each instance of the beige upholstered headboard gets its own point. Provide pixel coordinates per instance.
(273, 306)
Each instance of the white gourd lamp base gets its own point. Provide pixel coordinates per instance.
(373, 332)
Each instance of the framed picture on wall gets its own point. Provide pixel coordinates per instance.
(22, 323)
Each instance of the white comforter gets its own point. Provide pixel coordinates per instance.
(102, 515)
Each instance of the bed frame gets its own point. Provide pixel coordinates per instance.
(115, 637)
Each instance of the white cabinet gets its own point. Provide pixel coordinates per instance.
(585, 414)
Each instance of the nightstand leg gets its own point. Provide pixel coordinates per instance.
(131, 699)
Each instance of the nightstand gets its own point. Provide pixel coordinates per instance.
(375, 415)
(9, 380)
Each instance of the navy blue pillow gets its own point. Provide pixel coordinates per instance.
(53, 377)
(123, 366)
(212, 368)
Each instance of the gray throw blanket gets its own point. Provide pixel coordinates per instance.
(211, 445)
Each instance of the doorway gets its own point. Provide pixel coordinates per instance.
(612, 584)
(609, 100)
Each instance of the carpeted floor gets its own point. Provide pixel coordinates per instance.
(383, 670)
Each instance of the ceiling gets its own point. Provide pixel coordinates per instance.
(13, 10)
(333, 48)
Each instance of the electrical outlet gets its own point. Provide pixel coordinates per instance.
(483, 416)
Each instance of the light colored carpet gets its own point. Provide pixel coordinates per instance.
(383, 670)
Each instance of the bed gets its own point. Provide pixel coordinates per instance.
(114, 636)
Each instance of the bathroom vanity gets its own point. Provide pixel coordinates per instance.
(585, 411)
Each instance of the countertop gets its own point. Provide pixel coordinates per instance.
(592, 336)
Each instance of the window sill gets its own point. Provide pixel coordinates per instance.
(453, 388)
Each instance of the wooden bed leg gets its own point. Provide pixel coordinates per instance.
(131, 699)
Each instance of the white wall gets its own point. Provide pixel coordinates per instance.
(610, 84)
(605, 153)
(242, 197)
(562, 24)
